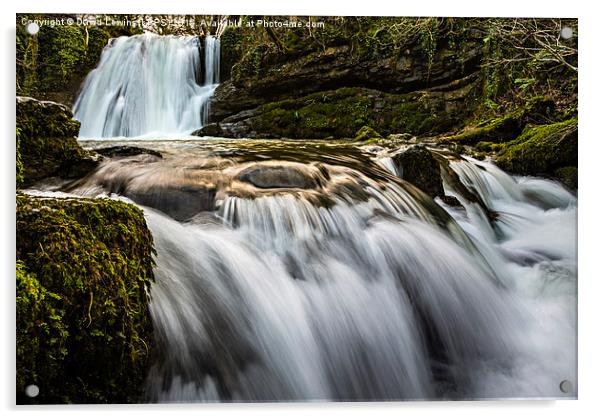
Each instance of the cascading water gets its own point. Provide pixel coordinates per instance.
(347, 285)
(149, 84)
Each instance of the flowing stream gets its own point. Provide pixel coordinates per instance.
(149, 84)
(310, 271)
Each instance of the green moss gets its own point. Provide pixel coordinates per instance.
(337, 113)
(341, 113)
(40, 330)
(417, 118)
(232, 49)
(495, 130)
(83, 327)
(367, 133)
(541, 149)
(64, 51)
(46, 142)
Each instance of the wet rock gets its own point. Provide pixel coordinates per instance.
(181, 202)
(278, 176)
(126, 151)
(418, 167)
(452, 201)
(210, 130)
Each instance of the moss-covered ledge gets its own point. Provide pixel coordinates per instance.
(84, 267)
(541, 149)
(342, 112)
(46, 142)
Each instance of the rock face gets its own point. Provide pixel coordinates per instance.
(541, 150)
(125, 151)
(46, 143)
(336, 67)
(341, 113)
(418, 167)
(334, 88)
(83, 326)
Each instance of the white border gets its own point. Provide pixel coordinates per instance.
(590, 295)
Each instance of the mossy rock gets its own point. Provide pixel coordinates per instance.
(538, 109)
(84, 268)
(341, 113)
(367, 133)
(493, 131)
(540, 150)
(47, 144)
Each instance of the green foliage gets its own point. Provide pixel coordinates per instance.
(83, 327)
(232, 49)
(53, 63)
(524, 58)
(250, 65)
(62, 55)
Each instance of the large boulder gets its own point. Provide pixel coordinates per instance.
(418, 167)
(47, 144)
(84, 332)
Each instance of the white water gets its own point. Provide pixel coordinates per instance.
(274, 298)
(149, 85)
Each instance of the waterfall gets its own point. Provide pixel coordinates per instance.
(149, 85)
(354, 287)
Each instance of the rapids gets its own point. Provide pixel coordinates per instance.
(321, 275)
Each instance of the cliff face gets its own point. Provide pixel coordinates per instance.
(460, 82)
(336, 67)
(347, 86)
